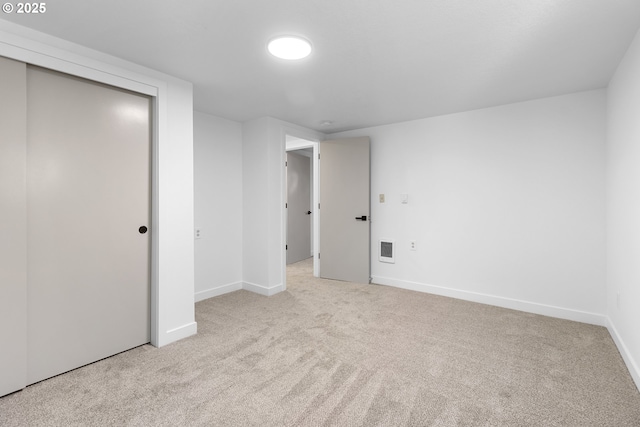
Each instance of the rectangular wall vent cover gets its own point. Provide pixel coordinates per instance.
(386, 251)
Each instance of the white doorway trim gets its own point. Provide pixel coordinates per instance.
(302, 141)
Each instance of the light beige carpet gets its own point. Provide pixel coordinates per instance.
(343, 354)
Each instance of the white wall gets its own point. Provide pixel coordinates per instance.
(263, 182)
(173, 266)
(623, 208)
(172, 224)
(506, 205)
(255, 199)
(218, 205)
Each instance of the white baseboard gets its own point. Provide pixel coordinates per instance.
(176, 334)
(632, 365)
(231, 287)
(262, 290)
(514, 304)
(220, 290)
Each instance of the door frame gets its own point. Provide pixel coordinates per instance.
(305, 142)
(38, 54)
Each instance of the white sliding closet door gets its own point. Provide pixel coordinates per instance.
(88, 193)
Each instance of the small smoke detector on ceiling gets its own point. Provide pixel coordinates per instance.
(326, 123)
(289, 47)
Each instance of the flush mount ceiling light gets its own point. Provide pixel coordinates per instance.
(289, 47)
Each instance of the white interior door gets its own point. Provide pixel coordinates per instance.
(298, 207)
(344, 210)
(88, 191)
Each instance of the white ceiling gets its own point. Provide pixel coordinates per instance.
(374, 61)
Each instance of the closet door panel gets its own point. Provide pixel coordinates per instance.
(88, 187)
(13, 226)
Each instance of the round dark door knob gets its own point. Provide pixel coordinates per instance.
(142, 229)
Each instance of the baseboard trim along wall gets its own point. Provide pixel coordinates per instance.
(513, 304)
(262, 290)
(217, 291)
(236, 286)
(177, 334)
(633, 367)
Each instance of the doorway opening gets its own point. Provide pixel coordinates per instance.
(302, 225)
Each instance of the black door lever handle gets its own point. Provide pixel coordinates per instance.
(308, 212)
(361, 218)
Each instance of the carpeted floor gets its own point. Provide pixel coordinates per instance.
(344, 354)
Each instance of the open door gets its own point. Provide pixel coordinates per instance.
(344, 210)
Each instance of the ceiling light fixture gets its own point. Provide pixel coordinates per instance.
(289, 47)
